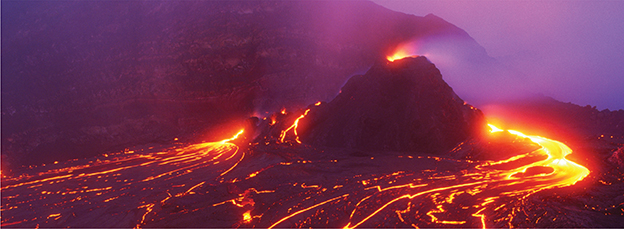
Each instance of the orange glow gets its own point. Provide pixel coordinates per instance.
(494, 129)
(408, 196)
(435, 196)
(191, 189)
(317, 103)
(481, 216)
(232, 138)
(247, 217)
(568, 171)
(399, 54)
(234, 166)
(56, 215)
(403, 50)
(306, 209)
(108, 180)
(565, 173)
(294, 128)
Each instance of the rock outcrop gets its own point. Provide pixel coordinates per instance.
(403, 105)
(617, 158)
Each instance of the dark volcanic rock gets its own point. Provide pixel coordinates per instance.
(617, 158)
(402, 106)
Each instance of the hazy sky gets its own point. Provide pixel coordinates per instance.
(573, 49)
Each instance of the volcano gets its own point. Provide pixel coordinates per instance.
(127, 89)
(306, 169)
(403, 105)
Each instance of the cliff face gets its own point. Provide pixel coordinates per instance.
(403, 105)
(80, 78)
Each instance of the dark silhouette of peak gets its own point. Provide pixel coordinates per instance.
(403, 105)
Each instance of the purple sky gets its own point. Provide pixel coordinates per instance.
(571, 50)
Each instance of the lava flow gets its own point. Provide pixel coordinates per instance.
(490, 192)
(127, 186)
(294, 127)
(164, 187)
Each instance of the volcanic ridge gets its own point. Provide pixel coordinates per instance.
(403, 105)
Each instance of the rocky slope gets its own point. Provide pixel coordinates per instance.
(403, 105)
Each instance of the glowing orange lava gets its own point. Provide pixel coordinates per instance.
(145, 182)
(124, 179)
(232, 138)
(294, 128)
(399, 54)
(403, 50)
(491, 188)
(247, 217)
(565, 173)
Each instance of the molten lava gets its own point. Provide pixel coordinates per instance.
(294, 128)
(120, 181)
(484, 193)
(402, 51)
(232, 138)
(247, 217)
(491, 189)
(400, 54)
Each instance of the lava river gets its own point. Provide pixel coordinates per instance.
(266, 190)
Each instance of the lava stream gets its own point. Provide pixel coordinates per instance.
(293, 127)
(127, 180)
(491, 189)
(482, 193)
